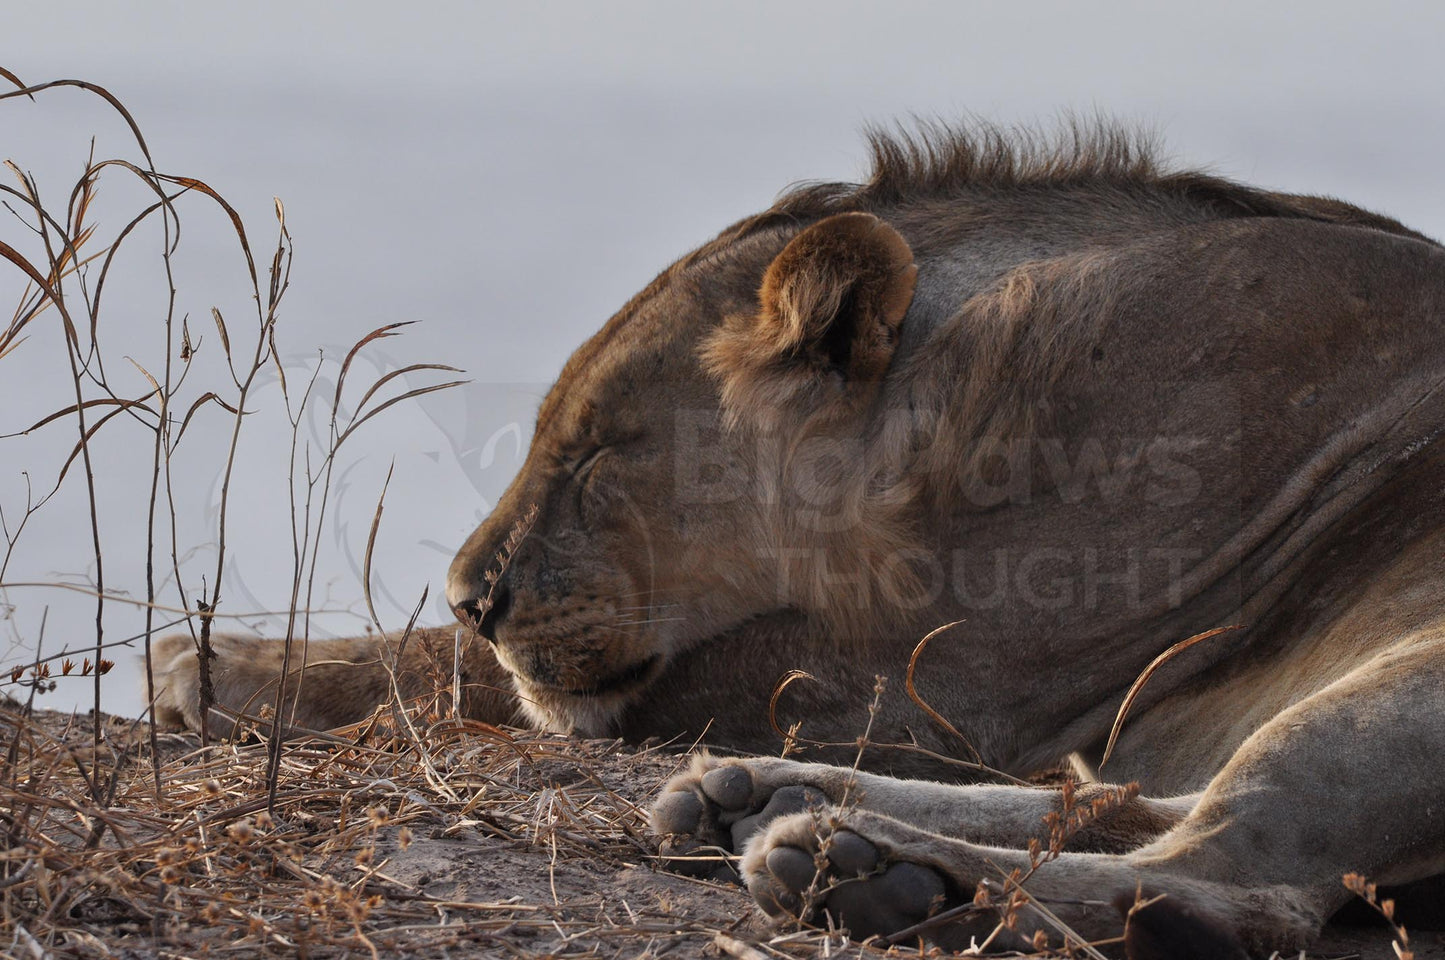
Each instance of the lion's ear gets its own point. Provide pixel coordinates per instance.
(832, 303)
(835, 297)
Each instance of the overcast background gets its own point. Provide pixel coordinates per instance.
(509, 174)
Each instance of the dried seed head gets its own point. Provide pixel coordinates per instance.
(212, 787)
(242, 831)
(404, 837)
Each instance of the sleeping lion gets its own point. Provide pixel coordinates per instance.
(1076, 405)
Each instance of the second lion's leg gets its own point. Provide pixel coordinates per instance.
(330, 682)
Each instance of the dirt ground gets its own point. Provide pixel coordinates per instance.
(488, 842)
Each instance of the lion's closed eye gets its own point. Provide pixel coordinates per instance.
(587, 462)
(592, 484)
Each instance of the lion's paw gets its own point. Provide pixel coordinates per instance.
(805, 866)
(707, 815)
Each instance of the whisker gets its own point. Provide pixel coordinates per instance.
(653, 592)
(608, 627)
(624, 629)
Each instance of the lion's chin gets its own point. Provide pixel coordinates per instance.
(591, 710)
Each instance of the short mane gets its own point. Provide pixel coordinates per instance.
(938, 160)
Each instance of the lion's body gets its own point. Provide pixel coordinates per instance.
(1084, 407)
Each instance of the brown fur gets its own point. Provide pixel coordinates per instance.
(1084, 404)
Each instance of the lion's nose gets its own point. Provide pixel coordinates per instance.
(486, 618)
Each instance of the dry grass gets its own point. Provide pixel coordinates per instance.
(377, 843)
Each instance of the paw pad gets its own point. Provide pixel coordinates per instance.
(679, 811)
(704, 819)
(859, 891)
(729, 787)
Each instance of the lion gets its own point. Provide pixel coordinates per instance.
(1104, 419)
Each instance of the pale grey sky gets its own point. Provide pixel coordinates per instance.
(510, 173)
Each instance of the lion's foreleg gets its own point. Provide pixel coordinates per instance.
(1343, 781)
(738, 795)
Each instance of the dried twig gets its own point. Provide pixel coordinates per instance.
(1138, 685)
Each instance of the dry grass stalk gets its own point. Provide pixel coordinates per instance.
(66, 265)
(1368, 892)
(1139, 682)
(795, 742)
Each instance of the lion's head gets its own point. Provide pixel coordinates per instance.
(696, 465)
